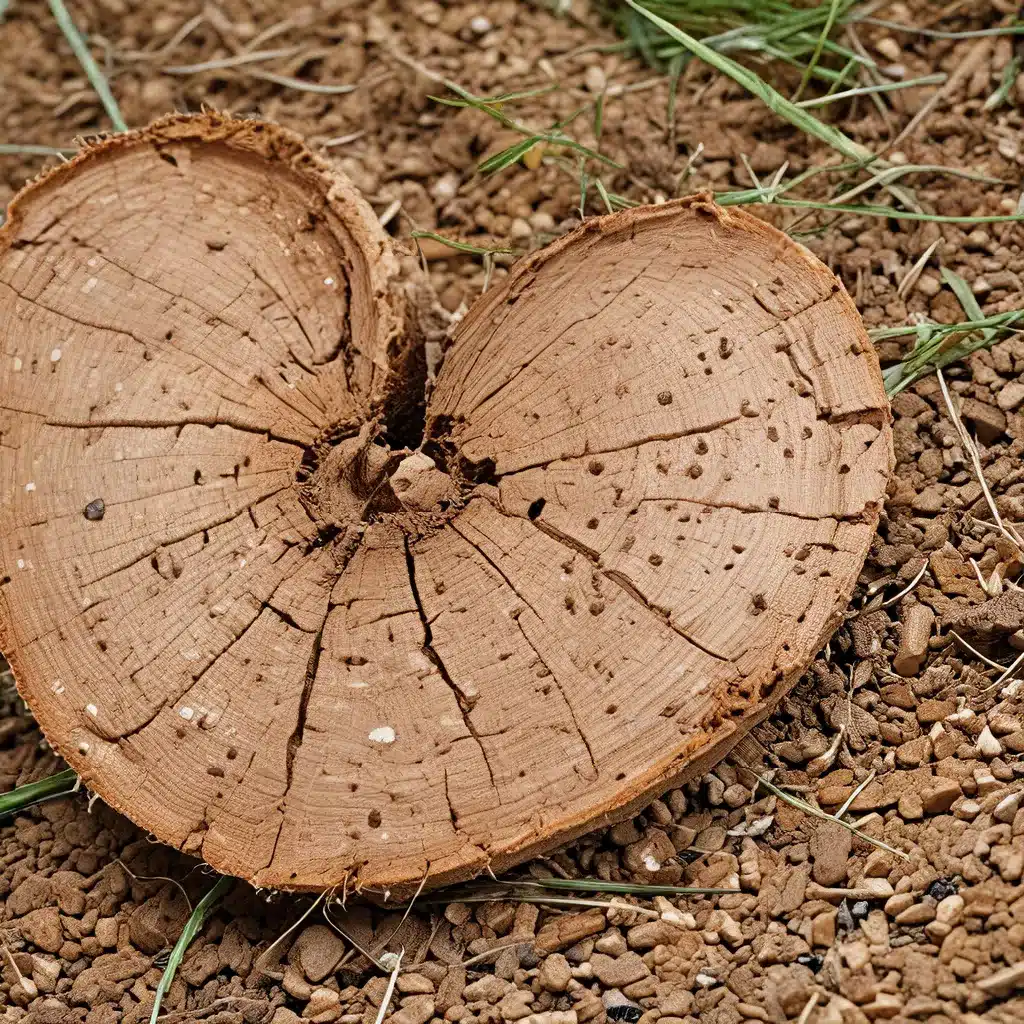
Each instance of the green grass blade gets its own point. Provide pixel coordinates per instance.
(933, 33)
(937, 345)
(773, 99)
(89, 66)
(869, 90)
(453, 243)
(754, 197)
(28, 149)
(1006, 82)
(192, 928)
(34, 792)
(963, 293)
(603, 193)
(509, 156)
(826, 31)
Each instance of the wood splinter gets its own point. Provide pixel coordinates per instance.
(292, 617)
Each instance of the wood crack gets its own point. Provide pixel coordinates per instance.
(649, 439)
(622, 581)
(195, 421)
(438, 662)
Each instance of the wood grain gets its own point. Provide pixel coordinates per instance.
(650, 470)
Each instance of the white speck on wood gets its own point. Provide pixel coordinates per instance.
(382, 734)
(187, 714)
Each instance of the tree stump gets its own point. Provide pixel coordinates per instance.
(291, 620)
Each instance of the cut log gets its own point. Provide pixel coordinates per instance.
(289, 620)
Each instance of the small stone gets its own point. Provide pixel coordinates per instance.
(823, 929)
(895, 905)
(554, 973)
(940, 795)
(513, 1006)
(856, 953)
(910, 807)
(917, 630)
(929, 711)
(616, 972)
(413, 984)
(295, 984)
(950, 910)
(594, 79)
(988, 746)
(624, 833)
(45, 973)
(1010, 395)
(612, 942)
(419, 1009)
(830, 848)
(95, 510)
(919, 913)
(736, 795)
(889, 48)
(899, 695)
(1003, 982)
(317, 951)
(566, 931)
(966, 810)
(1007, 808)
(488, 989)
(106, 932)
(883, 1006)
(649, 854)
(321, 1000)
(914, 752)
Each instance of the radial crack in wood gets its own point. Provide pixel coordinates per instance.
(293, 618)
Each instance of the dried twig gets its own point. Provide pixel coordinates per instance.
(817, 812)
(972, 451)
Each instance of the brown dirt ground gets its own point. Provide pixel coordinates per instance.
(938, 937)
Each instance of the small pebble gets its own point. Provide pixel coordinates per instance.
(95, 510)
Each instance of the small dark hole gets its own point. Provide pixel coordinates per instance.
(536, 507)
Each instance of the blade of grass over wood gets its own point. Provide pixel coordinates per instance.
(786, 109)
(16, 800)
(89, 66)
(192, 927)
